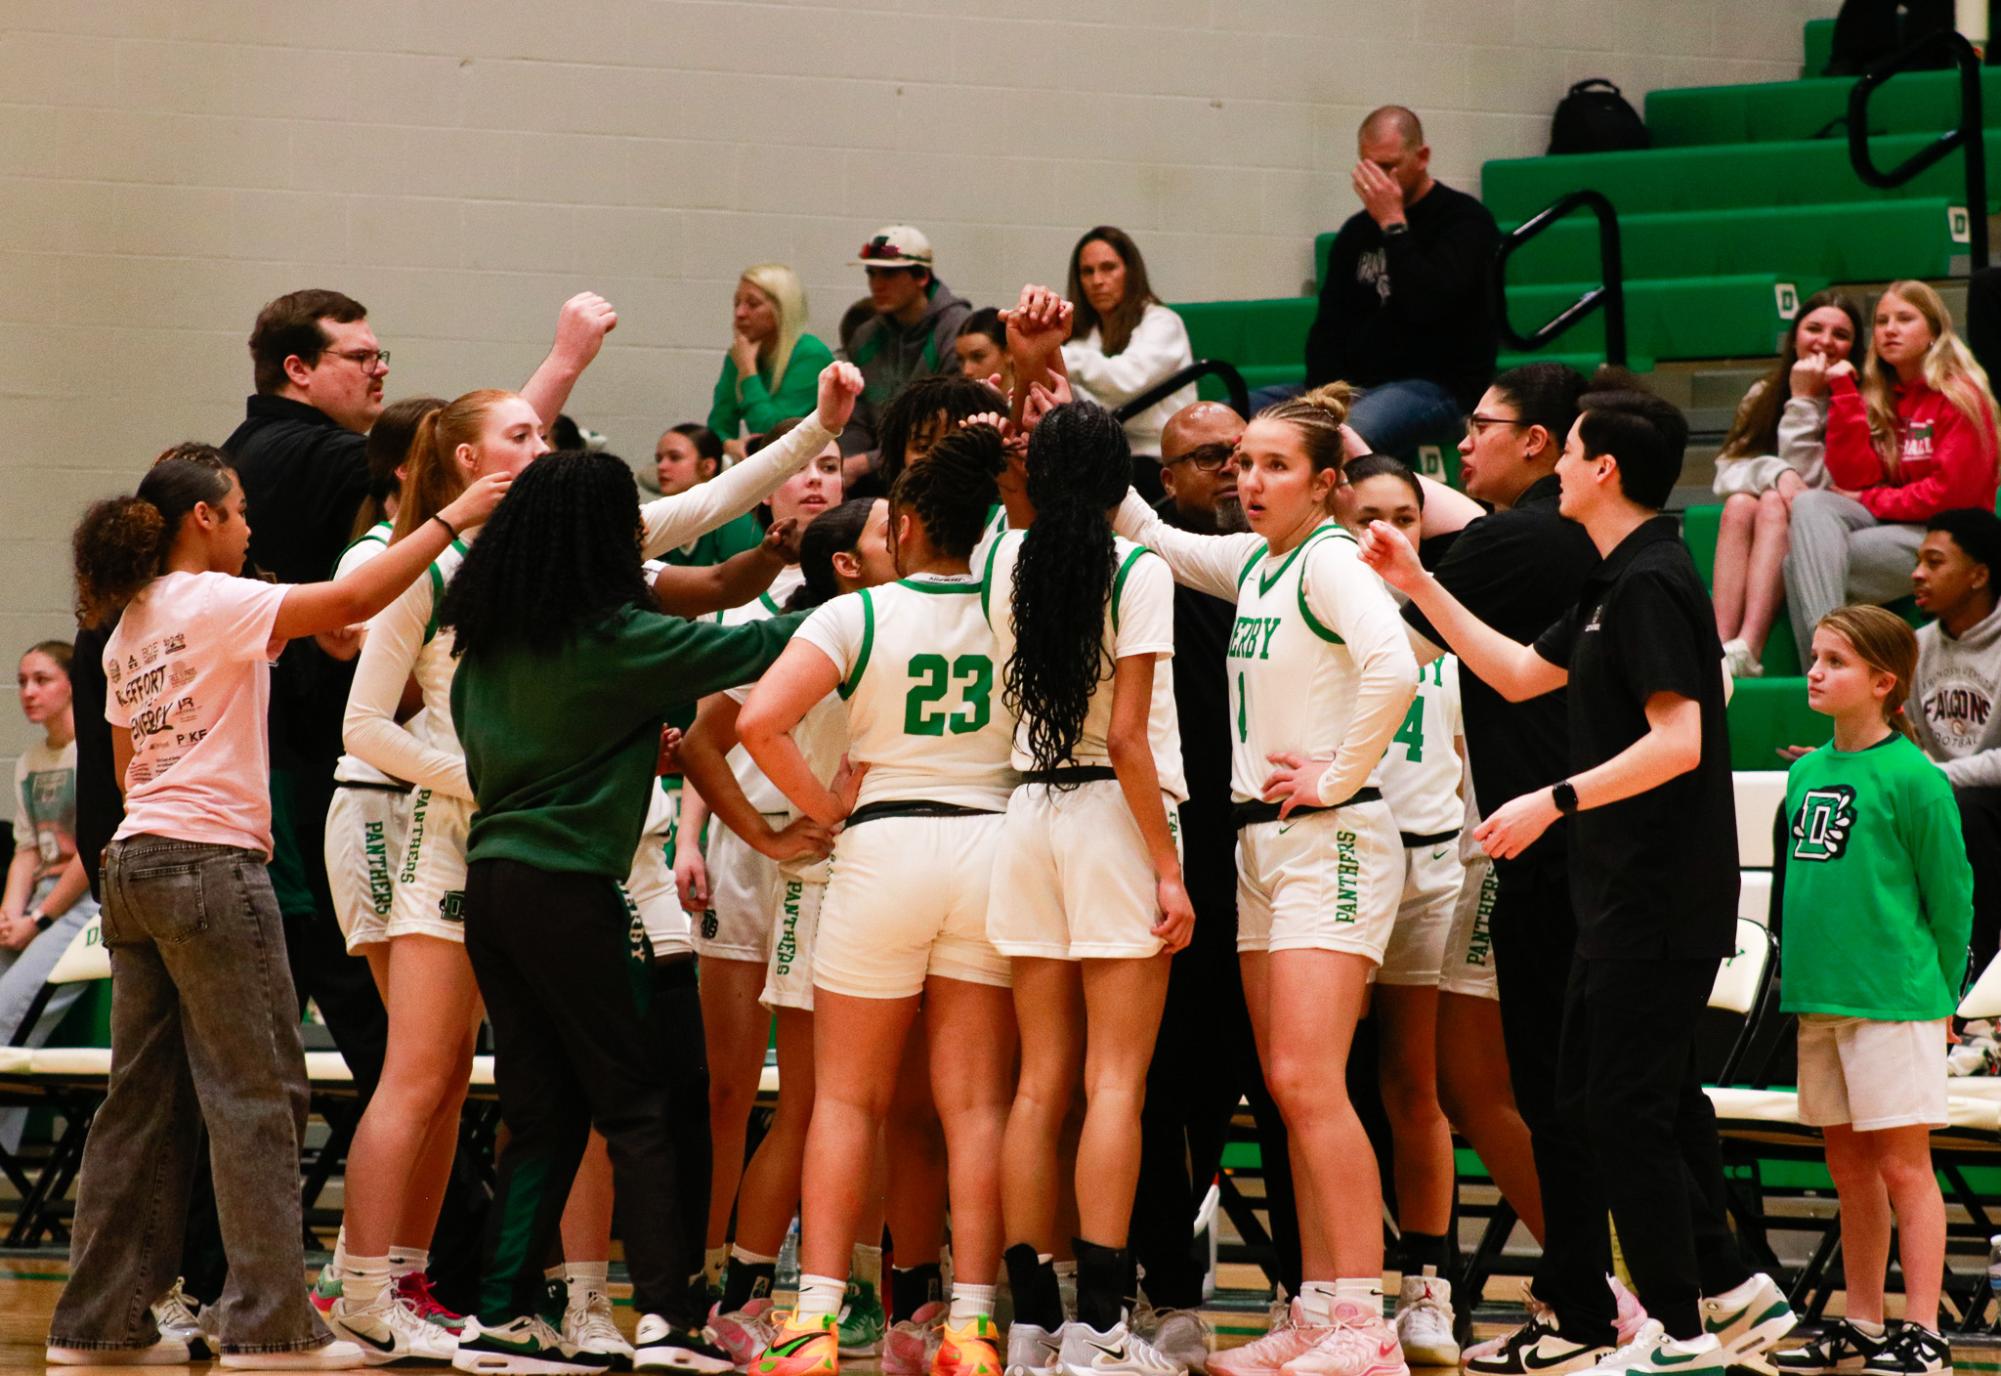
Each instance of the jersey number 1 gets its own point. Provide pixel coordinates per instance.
(932, 679)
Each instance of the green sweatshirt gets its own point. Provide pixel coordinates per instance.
(561, 746)
(1879, 896)
(763, 405)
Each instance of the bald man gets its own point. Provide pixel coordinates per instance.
(1195, 468)
(1404, 307)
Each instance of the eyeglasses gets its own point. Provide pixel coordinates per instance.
(367, 358)
(1209, 457)
(1477, 424)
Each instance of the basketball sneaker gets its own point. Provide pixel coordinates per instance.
(1424, 1320)
(911, 1344)
(812, 1348)
(659, 1346)
(527, 1345)
(745, 1333)
(414, 1289)
(178, 1317)
(388, 1331)
(333, 1356)
(1652, 1352)
(1536, 1347)
(1032, 1350)
(1117, 1352)
(1749, 1319)
(862, 1320)
(1911, 1350)
(165, 1351)
(1289, 1338)
(1360, 1342)
(970, 1350)
(326, 1289)
(1840, 1351)
(589, 1327)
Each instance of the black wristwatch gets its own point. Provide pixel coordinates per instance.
(41, 920)
(1564, 793)
(1396, 229)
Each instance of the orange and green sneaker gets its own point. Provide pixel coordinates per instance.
(811, 1348)
(969, 1351)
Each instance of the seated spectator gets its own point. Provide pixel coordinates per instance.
(910, 335)
(1405, 311)
(1773, 453)
(47, 897)
(1909, 436)
(1123, 341)
(1956, 690)
(772, 370)
(686, 456)
(982, 348)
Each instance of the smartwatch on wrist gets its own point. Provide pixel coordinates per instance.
(1565, 795)
(41, 919)
(1396, 229)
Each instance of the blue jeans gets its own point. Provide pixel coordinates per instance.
(1394, 417)
(204, 1029)
(22, 975)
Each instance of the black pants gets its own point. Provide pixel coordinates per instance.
(1980, 824)
(1628, 1085)
(1535, 941)
(568, 985)
(1204, 1061)
(675, 1043)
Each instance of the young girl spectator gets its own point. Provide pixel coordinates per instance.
(202, 1005)
(770, 371)
(1878, 909)
(982, 348)
(1909, 434)
(1773, 453)
(48, 893)
(1123, 340)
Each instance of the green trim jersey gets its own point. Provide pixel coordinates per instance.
(762, 793)
(922, 686)
(1421, 768)
(1139, 621)
(405, 642)
(349, 769)
(1878, 892)
(1318, 660)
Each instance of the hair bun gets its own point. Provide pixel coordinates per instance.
(974, 449)
(1335, 398)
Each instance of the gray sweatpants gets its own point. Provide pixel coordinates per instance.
(1840, 554)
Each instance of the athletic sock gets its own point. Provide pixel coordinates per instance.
(971, 1302)
(338, 1263)
(364, 1280)
(1101, 1284)
(1868, 1329)
(713, 1262)
(1066, 1286)
(1032, 1277)
(1316, 1302)
(819, 1298)
(748, 1277)
(1415, 1251)
(404, 1261)
(1366, 1291)
(865, 1267)
(593, 1275)
(913, 1287)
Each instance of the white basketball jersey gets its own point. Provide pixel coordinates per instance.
(1421, 768)
(762, 793)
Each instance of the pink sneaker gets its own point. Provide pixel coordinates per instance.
(1267, 1356)
(1361, 1342)
(910, 1344)
(746, 1333)
(1631, 1312)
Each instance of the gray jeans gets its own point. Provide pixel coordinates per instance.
(1840, 554)
(204, 1028)
(22, 975)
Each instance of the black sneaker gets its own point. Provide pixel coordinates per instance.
(1843, 1349)
(659, 1346)
(1911, 1350)
(1537, 1349)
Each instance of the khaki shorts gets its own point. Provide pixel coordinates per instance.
(366, 831)
(1871, 1075)
(908, 900)
(1467, 966)
(743, 898)
(1072, 880)
(1327, 881)
(431, 882)
(1431, 883)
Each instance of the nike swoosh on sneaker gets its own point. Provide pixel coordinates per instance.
(1117, 1354)
(1533, 1363)
(1660, 1358)
(792, 1345)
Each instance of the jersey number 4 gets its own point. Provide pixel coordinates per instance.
(926, 711)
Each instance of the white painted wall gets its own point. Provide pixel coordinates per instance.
(166, 166)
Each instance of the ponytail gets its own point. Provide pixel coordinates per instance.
(432, 478)
(836, 530)
(953, 490)
(1317, 417)
(121, 543)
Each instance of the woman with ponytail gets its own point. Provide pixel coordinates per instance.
(203, 1010)
(1093, 905)
(920, 815)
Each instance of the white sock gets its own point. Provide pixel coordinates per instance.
(750, 1258)
(364, 1280)
(1739, 1295)
(1316, 1302)
(338, 1263)
(713, 1262)
(819, 1297)
(865, 1264)
(971, 1302)
(404, 1261)
(588, 1275)
(1366, 1291)
(1866, 1328)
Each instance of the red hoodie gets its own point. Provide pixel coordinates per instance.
(1944, 462)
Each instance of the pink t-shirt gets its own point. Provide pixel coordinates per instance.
(189, 671)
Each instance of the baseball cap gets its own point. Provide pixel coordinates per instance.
(895, 246)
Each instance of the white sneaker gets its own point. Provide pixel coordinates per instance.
(385, 1331)
(525, 1345)
(1652, 1352)
(178, 1317)
(1183, 1336)
(1534, 1349)
(1032, 1350)
(589, 1327)
(165, 1351)
(1087, 1352)
(1749, 1319)
(1292, 1335)
(1743, 664)
(334, 1356)
(659, 1346)
(1424, 1320)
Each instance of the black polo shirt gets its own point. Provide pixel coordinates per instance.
(1655, 875)
(1517, 570)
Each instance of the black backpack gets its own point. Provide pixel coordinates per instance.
(1867, 31)
(1595, 118)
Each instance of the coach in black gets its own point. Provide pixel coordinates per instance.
(1653, 880)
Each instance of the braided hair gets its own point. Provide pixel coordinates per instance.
(558, 555)
(945, 398)
(1079, 466)
(952, 491)
(121, 544)
(836, 530)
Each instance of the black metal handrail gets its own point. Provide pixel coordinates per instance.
(1969, 136)
(1609, 295)
(1240, 392)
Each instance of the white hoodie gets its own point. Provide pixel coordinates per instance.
(1953, 699)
